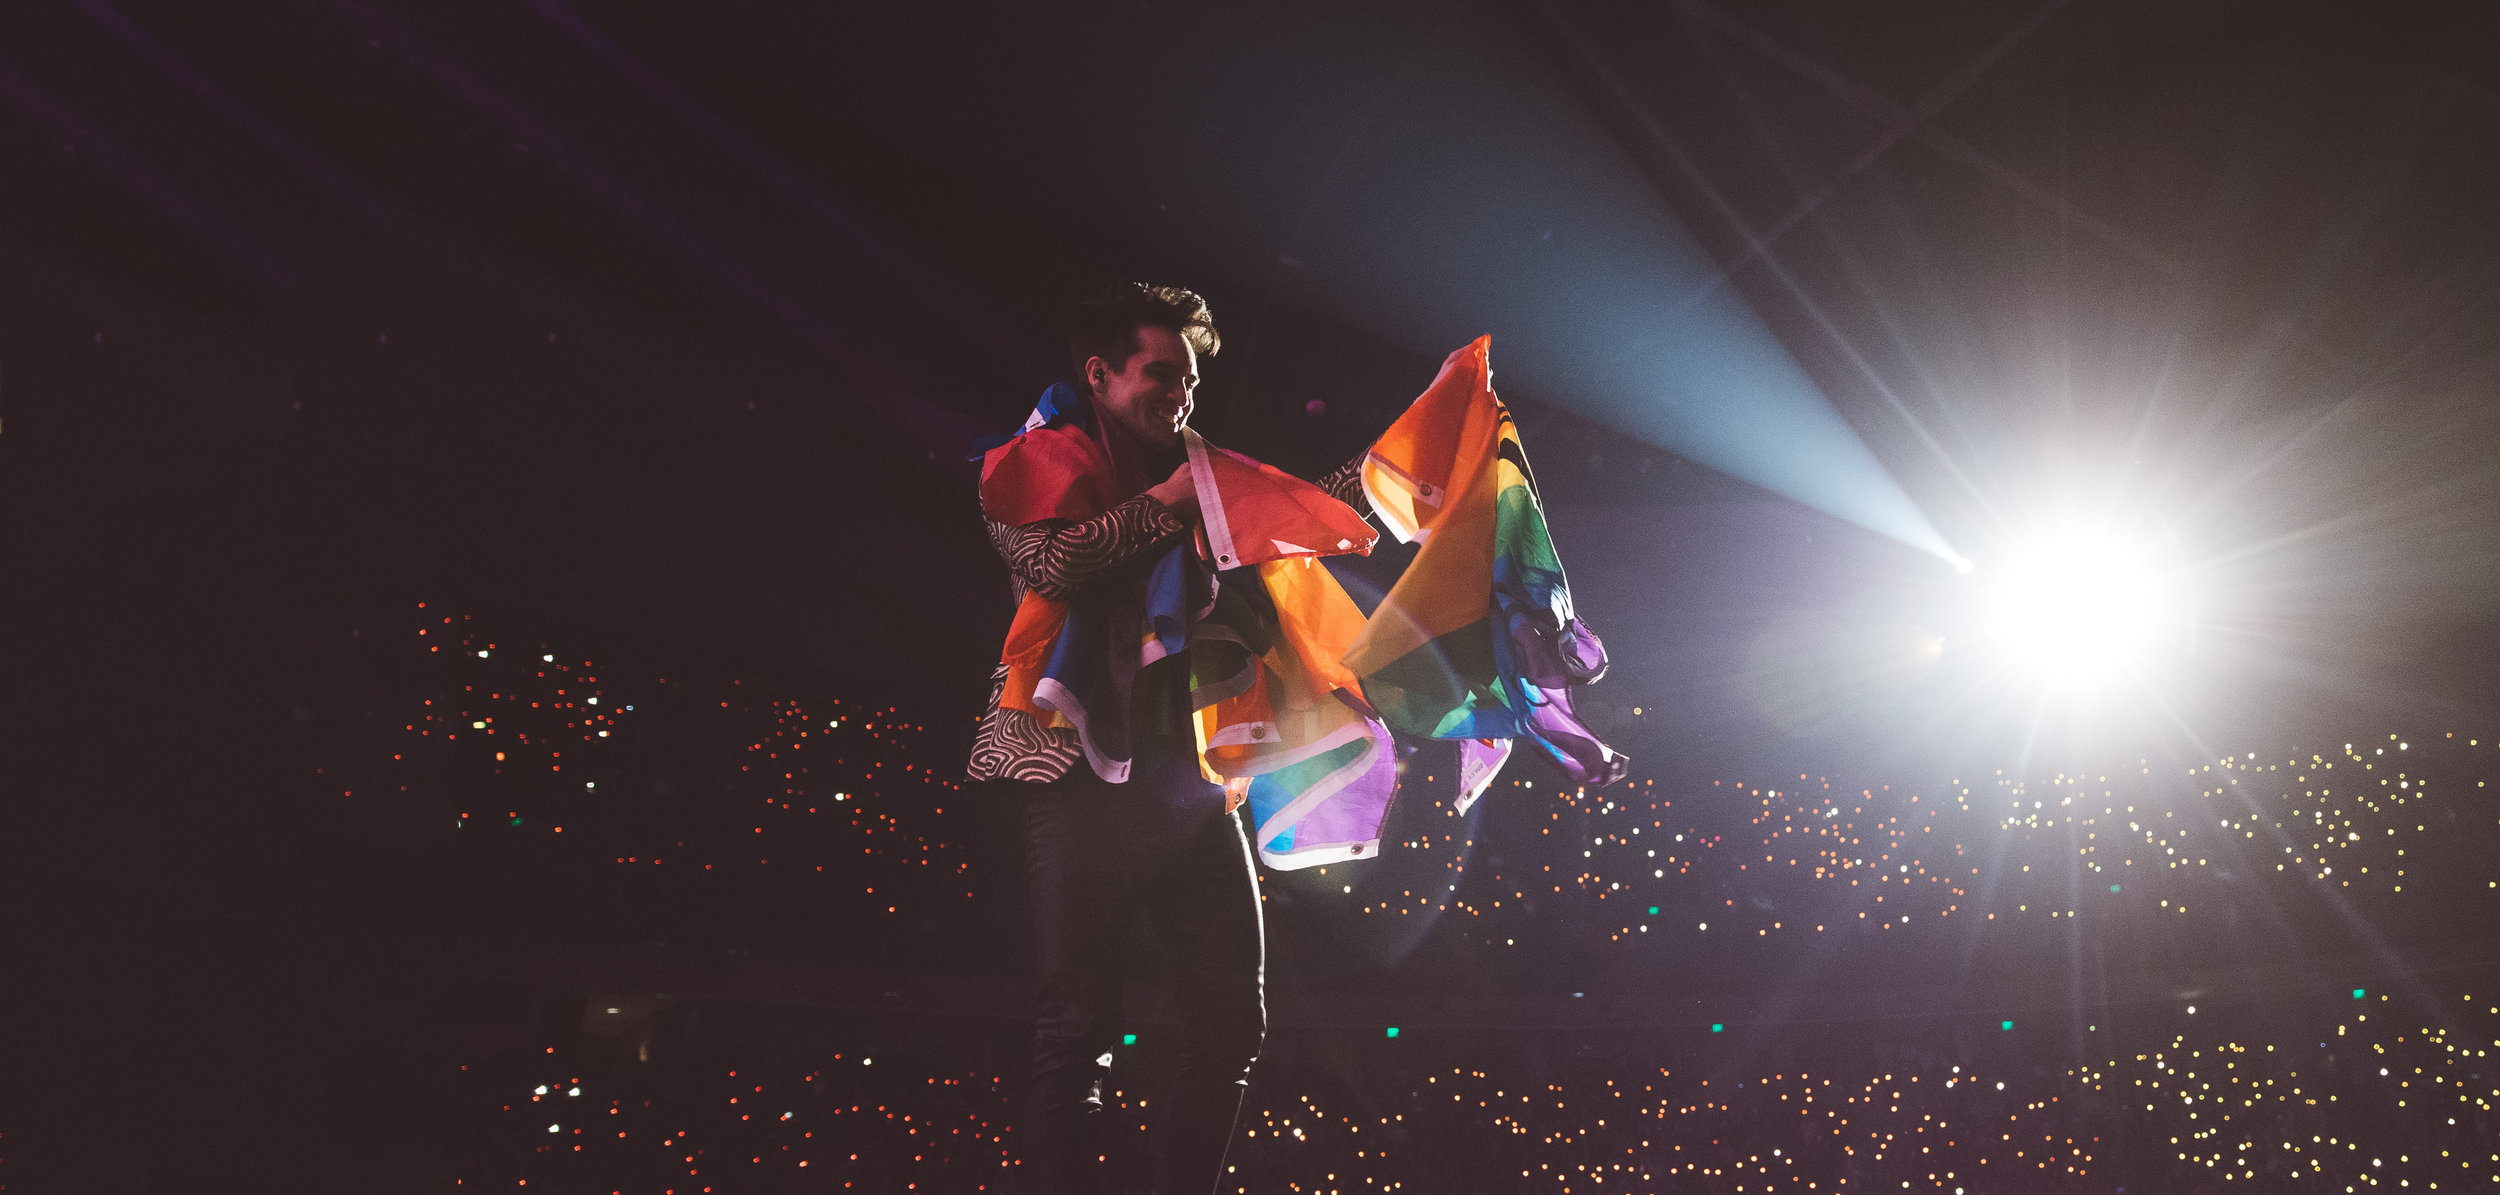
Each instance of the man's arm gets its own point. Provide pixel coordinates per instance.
(1057, 558)
(1345, 484)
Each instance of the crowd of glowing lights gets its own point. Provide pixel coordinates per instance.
(2378, 1104)
(2393, 1095)
(1811, 859)
(544, 742)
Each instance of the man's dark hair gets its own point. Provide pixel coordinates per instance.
(1106, 325)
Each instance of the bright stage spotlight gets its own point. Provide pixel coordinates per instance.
(2082, 606)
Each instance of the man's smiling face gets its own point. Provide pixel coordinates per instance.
(1153, 393)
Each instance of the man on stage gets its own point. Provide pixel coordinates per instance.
(1095, 490)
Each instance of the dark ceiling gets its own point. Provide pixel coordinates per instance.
(667, 321)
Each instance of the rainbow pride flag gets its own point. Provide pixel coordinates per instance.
(1293, 692)
(1477, 640)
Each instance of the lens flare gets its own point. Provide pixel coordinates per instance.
(2082, 606)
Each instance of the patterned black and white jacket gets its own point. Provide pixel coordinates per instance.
(1060, 559)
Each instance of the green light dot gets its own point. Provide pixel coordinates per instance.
(2358, 993)
(2008, 1026)
(2113, 887)
(1393, 1031)
(1653, 910)
(1128, 1039)
(1716, 1027)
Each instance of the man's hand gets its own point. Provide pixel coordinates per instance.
(1178, 492)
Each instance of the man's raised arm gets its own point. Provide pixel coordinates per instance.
(1345, 484)
(1058, 558)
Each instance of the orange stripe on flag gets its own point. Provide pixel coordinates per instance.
(1449, 439)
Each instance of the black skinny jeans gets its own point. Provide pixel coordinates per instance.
(1098, 856)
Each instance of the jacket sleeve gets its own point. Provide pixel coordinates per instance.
(1058, 558)
(1345, 484)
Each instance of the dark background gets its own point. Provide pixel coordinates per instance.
(661, 327)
